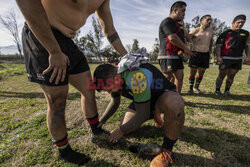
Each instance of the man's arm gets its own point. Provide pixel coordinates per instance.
(175, 40)
(106, 21)
(37, 20)
(142, 115)
(111, 109)
(218, 53)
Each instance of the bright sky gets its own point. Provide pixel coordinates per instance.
(140, 19)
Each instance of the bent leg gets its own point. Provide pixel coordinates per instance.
(128, 115)
(88, 101)
(172, 105)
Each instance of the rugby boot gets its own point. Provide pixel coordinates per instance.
(227, 93)
(217, 93)
(99, 135)
(71, 156)
(162, 159)
(196, 90)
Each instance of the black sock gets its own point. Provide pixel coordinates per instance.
(93, 123)
(69, 155)
(191, 82)
(227, 89)
(168, 143)
(198, 81)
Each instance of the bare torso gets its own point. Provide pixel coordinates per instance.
(202, 39)
(69, 15)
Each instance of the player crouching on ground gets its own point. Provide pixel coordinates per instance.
(151, 94)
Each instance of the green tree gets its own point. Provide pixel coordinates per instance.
(91, 44)
(154, 54)
(135, 45)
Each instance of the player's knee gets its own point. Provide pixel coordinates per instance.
(176, 107)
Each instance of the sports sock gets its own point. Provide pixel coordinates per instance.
(198, 81)
(69, 155)
(168, 143)
(93, 123)
(191, 82)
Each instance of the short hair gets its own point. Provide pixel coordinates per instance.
(239, 17)
(104, 72)
(177, 4)
(203, 17)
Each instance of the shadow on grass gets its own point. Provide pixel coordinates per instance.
(222, 97)
(238, 109)
(227, 149)
(71, 96)
(100, 163)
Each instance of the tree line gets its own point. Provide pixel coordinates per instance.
(92, 43)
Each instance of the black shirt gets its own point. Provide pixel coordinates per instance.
(167, 27)
(233, 42)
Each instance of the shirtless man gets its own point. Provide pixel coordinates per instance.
(53, 60)
(172, 44)
(229, 48)
(202, 45)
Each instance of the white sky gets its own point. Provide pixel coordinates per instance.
(140, 19)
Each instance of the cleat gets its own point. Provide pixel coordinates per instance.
(217, 93)
(196, 90)
(190, 92)
(227, 93)
(71, 156)
(145, 149)
(161, 160)
(99, 136)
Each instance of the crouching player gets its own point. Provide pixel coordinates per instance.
(151, 94)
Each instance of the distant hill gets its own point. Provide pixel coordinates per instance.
(6, 50)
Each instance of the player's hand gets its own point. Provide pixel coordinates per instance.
(188, 53)
(58, 64)
(158, 120)
(247, 60)
(115, 135)
(219, 60)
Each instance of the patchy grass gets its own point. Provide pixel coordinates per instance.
(216, 131)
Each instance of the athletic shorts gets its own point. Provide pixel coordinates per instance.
(233, 64)
(169, 65)
(36, 57)
(152, 105)
(201, 59)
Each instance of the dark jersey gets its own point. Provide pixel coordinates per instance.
(233, 42)
(144, 84)
(167, 27)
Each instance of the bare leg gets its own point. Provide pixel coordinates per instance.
(178, 79)
(56, 99)
(129, 113)
(220, 78)
(172, 105)
(230, 78)
(88, 102)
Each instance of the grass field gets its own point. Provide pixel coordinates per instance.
(216, 131)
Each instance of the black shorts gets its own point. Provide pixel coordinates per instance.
(201, 59)
(169, 65)
(36, 57)
(233, 64)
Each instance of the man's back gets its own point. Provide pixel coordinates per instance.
(69, 15)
